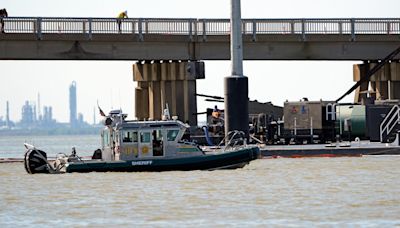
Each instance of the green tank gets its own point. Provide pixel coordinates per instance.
(356, 115)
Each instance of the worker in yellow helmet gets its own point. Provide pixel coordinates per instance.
(121, 16)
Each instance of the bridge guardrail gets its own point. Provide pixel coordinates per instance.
(200, 27)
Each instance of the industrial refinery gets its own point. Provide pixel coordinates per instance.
(37, 119)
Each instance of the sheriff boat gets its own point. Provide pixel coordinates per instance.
(129, 146)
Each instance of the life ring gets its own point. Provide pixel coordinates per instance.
(357, 139)
(145, 149)
(127, 150)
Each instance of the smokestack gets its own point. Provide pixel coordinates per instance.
(7, 115)
(38, 108)
(72, 105)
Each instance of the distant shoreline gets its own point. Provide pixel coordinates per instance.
(11, 160)
(53, 131)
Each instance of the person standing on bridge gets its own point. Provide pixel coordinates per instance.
(121, 16)
(3, 14)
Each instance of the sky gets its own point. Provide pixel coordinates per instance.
(110, 82)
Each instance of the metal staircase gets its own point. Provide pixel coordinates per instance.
(391, 120)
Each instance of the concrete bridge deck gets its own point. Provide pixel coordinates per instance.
(196, 39)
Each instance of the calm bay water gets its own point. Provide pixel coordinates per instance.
(13, 147)
(324, 192)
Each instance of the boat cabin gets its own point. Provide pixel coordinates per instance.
(131, 140)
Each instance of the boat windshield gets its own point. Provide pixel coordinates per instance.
(171, 135)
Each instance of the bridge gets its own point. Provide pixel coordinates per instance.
(45, 38)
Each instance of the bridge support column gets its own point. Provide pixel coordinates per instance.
(236, 85)
(142, 100)
(384, 84)
(172, 83)
(359, 71)
(379, 82)
(394, 83)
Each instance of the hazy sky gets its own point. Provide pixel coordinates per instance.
(111, 83)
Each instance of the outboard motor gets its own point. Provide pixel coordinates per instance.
(35, 160)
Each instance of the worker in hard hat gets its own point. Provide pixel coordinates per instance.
(121, 16)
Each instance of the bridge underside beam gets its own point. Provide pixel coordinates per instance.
(175, 47)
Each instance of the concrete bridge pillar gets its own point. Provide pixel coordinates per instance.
(394, 83)
(384, 84)
(359, 71)
(379, 82)
(172, 83)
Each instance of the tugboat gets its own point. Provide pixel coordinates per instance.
(130, 146)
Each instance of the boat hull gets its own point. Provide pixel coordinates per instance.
(228, 160)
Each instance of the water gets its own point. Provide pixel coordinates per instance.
(323, 192)
(13, 147)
